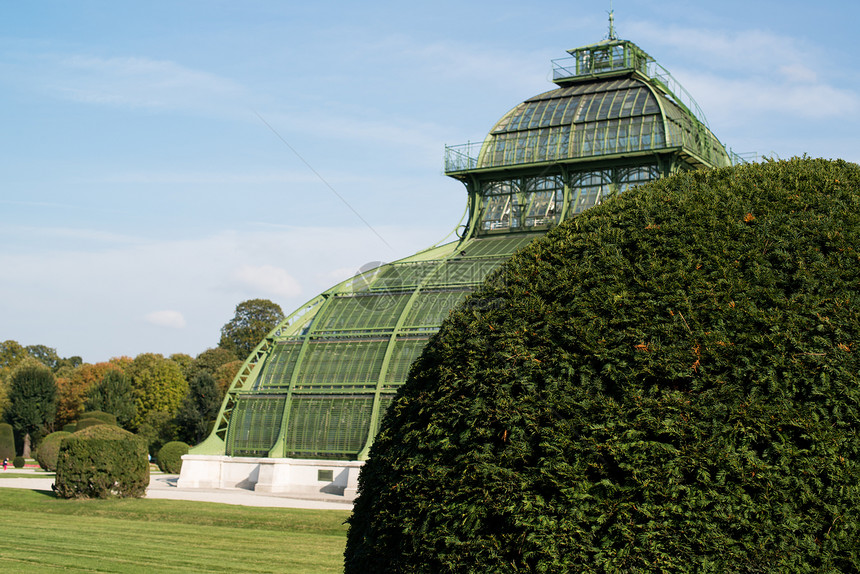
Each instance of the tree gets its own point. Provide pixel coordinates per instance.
(209, 361)
(184, 361)
(32, 401)
(666, 383)
(254, 319)
(158, 386)
(11, 353)
(199, 408)
(73, 388)
(45, 355)
(4, 395)
(225, 374)
(113, 394)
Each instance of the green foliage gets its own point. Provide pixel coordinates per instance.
(254, 319)
(158, 386)
(184, 361)
(19, 462)
(88, 422)
(106, 418)
(48, 450)
(70, 428)
(13, 354)
(198, 409)
(113, 394)
(157, 429)
(668, 382)
(45, 355)
(170, 456)
(32, 398)
(7, 441)
(209, 361)
(100, 462)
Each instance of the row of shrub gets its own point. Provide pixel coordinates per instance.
(96, 459)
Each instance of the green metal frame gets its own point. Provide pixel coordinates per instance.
(319, 383)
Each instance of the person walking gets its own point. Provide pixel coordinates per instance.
(5, 463)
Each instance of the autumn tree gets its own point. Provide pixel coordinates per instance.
(73, 388)
(32, 401)
(254, 319)
(209, 361)
(225, 374)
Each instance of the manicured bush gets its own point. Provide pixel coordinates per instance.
(102, 461)
(170, 456)
(85, 423)
(7, 441)
(19, 462)
(669, 382)
(48, 450)
(70, 428)
(106, 418)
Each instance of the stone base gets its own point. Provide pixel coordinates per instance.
(288, 476)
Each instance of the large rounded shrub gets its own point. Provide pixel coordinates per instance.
(48, 450)
(102, 461)
(88, 422)
(668, 382)
(106, 418)
(170, 456)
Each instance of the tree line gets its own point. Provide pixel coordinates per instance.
(160, 398)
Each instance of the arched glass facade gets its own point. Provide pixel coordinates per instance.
(318, 385)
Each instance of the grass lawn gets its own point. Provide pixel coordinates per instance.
(41, 533)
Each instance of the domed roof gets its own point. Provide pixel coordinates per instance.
(613, 99)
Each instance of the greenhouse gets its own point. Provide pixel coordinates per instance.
(304, 409)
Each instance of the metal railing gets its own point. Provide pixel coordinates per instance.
(566, 68)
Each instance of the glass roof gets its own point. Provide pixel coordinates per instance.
(318, 385)
(612, 99)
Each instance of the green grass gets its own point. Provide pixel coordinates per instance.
(13, 474)
(44, 534)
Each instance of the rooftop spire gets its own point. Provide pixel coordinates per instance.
(612, 35)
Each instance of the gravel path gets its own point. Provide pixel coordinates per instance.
(164, 486)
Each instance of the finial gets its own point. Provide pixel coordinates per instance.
(612, 35)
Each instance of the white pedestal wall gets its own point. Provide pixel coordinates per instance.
(302, 477)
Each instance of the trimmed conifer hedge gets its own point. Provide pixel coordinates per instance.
(88, 422)
(102, 461)
(106, 418)
(169, 456)
(667, 382)
(7, 441)
(48, 450)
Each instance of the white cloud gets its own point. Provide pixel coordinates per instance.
(741, 75)
(171, 319)
(269, 280)
(141, 82)
(737, 100)
(101, 305)
(131, 82)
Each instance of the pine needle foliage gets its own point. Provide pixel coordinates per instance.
(102, 461)
(669, 382)
(170, 456)
(49, 449)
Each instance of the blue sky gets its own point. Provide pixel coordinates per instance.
(143, 194)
